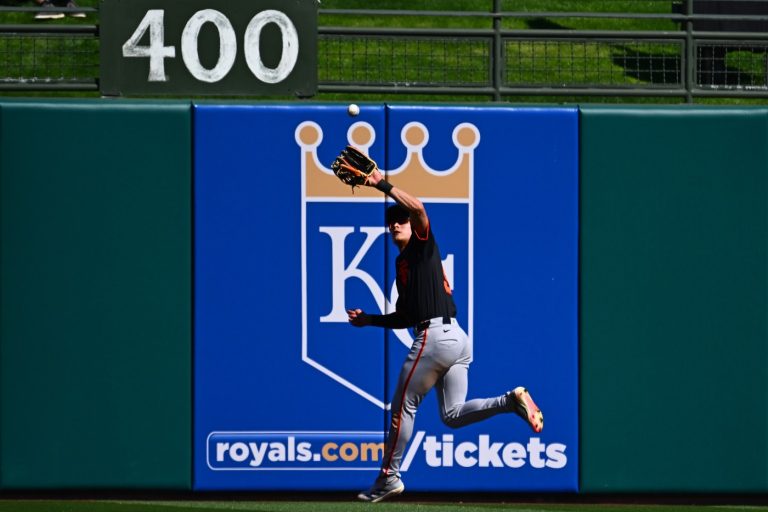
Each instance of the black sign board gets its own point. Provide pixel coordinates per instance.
(208, 47)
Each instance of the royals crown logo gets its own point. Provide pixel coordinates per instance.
(344, 263)
(413, 175)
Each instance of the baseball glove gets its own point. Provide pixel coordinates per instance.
(352, 167)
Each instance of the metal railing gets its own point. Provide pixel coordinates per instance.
(505, 54)
(548, 58)
(53, 57)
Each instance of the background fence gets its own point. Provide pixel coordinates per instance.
(662, 48)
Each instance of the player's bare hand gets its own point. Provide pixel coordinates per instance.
(374, 178)
(358, 318)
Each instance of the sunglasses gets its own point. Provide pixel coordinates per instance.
(398, 220)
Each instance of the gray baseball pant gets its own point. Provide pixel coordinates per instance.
(439, 358)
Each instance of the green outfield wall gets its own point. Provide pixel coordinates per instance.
(674, 382)
(95, 311)
(96, 336)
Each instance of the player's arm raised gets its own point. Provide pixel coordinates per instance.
(419, 219)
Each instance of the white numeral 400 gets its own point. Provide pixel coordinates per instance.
(157, 52)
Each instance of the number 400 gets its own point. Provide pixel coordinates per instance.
(157, 52)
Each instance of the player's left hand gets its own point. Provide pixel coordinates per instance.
(358, 318)
(353, 167)
(374, 178)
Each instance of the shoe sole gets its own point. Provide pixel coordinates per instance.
(393, 492)
(532, 412)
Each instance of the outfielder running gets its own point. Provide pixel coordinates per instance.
(441, 351)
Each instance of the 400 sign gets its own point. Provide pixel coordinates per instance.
(240, 47)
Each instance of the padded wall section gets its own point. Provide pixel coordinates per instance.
(288, 395)
(95, 264)
(673, 300)
(509, 252)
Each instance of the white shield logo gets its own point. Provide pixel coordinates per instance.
(345, 264)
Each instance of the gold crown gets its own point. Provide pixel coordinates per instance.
(414, 175)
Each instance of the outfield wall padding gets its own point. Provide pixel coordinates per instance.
(278, 368)
(96, 294)
(95, 316)
(673, 300)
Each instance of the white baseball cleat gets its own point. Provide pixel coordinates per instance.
(376, 494)
(520, 401)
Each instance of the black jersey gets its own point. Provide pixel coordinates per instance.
(422, 287)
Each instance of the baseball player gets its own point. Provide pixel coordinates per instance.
(441, 351)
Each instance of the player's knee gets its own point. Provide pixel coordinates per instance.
(451, 422)
(451, 418)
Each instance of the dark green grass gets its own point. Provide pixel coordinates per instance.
(342, 506)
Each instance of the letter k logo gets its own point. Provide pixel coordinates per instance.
(340, 273)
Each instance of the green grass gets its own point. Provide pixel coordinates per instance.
(341, 506)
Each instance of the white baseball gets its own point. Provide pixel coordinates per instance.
(353, 110)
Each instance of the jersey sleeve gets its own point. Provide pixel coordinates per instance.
(423, 236)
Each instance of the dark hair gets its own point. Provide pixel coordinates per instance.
(396, 213)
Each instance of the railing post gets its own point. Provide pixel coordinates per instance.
(690, 54)
(496, 53)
